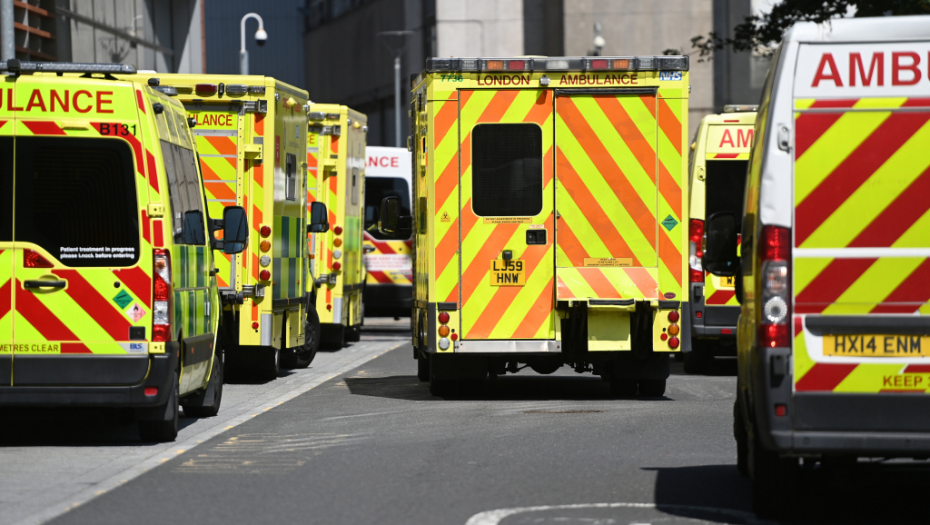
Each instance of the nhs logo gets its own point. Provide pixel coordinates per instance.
(669, 75)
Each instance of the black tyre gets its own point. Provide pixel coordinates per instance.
(163, 427)
(354, 334)
(422, 368)
(269, 363)
(652, 387)
(207, 403)
(774, 494)
(439, 387)
(333, 336)
(623, 387)
(742, 439)
(302, 356)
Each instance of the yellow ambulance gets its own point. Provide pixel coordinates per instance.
(549, 201)
(107, 296)
(718, 161)
(250, 138)
(336, 276)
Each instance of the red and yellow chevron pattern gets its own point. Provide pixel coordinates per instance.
(862, 219)
(395, 268)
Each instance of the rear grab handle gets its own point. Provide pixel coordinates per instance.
(44, 284)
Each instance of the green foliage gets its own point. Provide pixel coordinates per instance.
(762, 33)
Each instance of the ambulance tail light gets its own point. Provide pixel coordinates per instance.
(775, 254)
(32, 259)
(696, 250)
(205, 89)
(161, 307)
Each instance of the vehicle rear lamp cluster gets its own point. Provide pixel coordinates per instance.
(445, 333)
(774, 254)
(337, 253)
(671, 333)
(696, 250)
(161, 287)
(33, 259)
(629, 63)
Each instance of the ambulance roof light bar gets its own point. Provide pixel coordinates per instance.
(631, 63)
(20, 67)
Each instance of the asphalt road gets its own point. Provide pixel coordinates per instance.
(372, 446)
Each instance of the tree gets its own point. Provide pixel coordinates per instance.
(762, 33)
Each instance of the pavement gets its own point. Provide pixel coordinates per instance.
(363, 441)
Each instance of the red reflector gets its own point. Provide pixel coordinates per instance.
(162, 290)
(699, 314)
(337, 230)
(329, 307)
(775, 244)
(151, 390)
(443, 317)
(673, 342)
(516, 64)
(337, 266)
(773, 335)
(663, 337)
(454, 337)
(781, 410)
(255, 325)
(264, 275)
(673, 317)
(726, 331)
(206, 88)
(266, 231)
(32, 259)
(161, 333)
(731, 120)
(599, 64)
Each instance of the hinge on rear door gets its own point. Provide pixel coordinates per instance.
(255, 106)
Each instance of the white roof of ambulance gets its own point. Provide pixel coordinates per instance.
(776, 202)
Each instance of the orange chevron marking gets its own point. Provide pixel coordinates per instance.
(564, 291)
(447, 115)
(644, 282)
(570, 244)
(670, 255)
(447, 247)
(623, 123)
(540, 311)
(498, 105)
(670, 125)
(599, 283)
(478, 267)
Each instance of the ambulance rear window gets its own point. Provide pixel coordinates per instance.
(184, 192)
(507, 170)
(76, 198)
(725, 182)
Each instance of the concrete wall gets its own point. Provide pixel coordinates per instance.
(738, 77)
(479, 27)
(636, 27)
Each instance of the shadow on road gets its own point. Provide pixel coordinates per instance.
(73, 427)
(873, 493)
(720, 366)
(507, 388)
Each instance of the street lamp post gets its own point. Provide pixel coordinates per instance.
(398, 51)
(260, 37)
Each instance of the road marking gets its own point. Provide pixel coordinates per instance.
(494, 517)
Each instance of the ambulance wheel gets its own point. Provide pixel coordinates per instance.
(269, 363)
(302, 356)
(423, 368)
(652, 387)
(163, 427)
(333, 336)
(354, 334)
(207, 403)
(742, 440)
(438, 387)
(773, 482)
(623, 387)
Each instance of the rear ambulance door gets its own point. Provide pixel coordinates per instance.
(607, 193)
(217, 137)
(726, 162)
(7, 278)
(861, 250)
(83, 283)
(507, 205)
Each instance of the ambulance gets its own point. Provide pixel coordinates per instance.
(107, 296)
(834, 273)
(550, 196)
(388, 288)
(250, 134)
(336, 155)
(718, 161)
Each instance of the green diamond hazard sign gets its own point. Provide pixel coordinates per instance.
(122, 299)
(669, 223)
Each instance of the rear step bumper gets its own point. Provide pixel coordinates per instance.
(897, 444)
(159, 374)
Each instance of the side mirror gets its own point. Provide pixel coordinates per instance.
(319, 218)
(235, 230)
(720, 253)
(390, 215)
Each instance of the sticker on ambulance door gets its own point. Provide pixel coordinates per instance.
(508, 273)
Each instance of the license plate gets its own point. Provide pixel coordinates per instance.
(508, 273)
(877, 345)
(725, 282)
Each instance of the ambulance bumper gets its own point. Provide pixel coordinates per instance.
(160, 368)
(899, 444)
(715, 321)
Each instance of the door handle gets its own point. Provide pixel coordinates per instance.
(44, 284)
